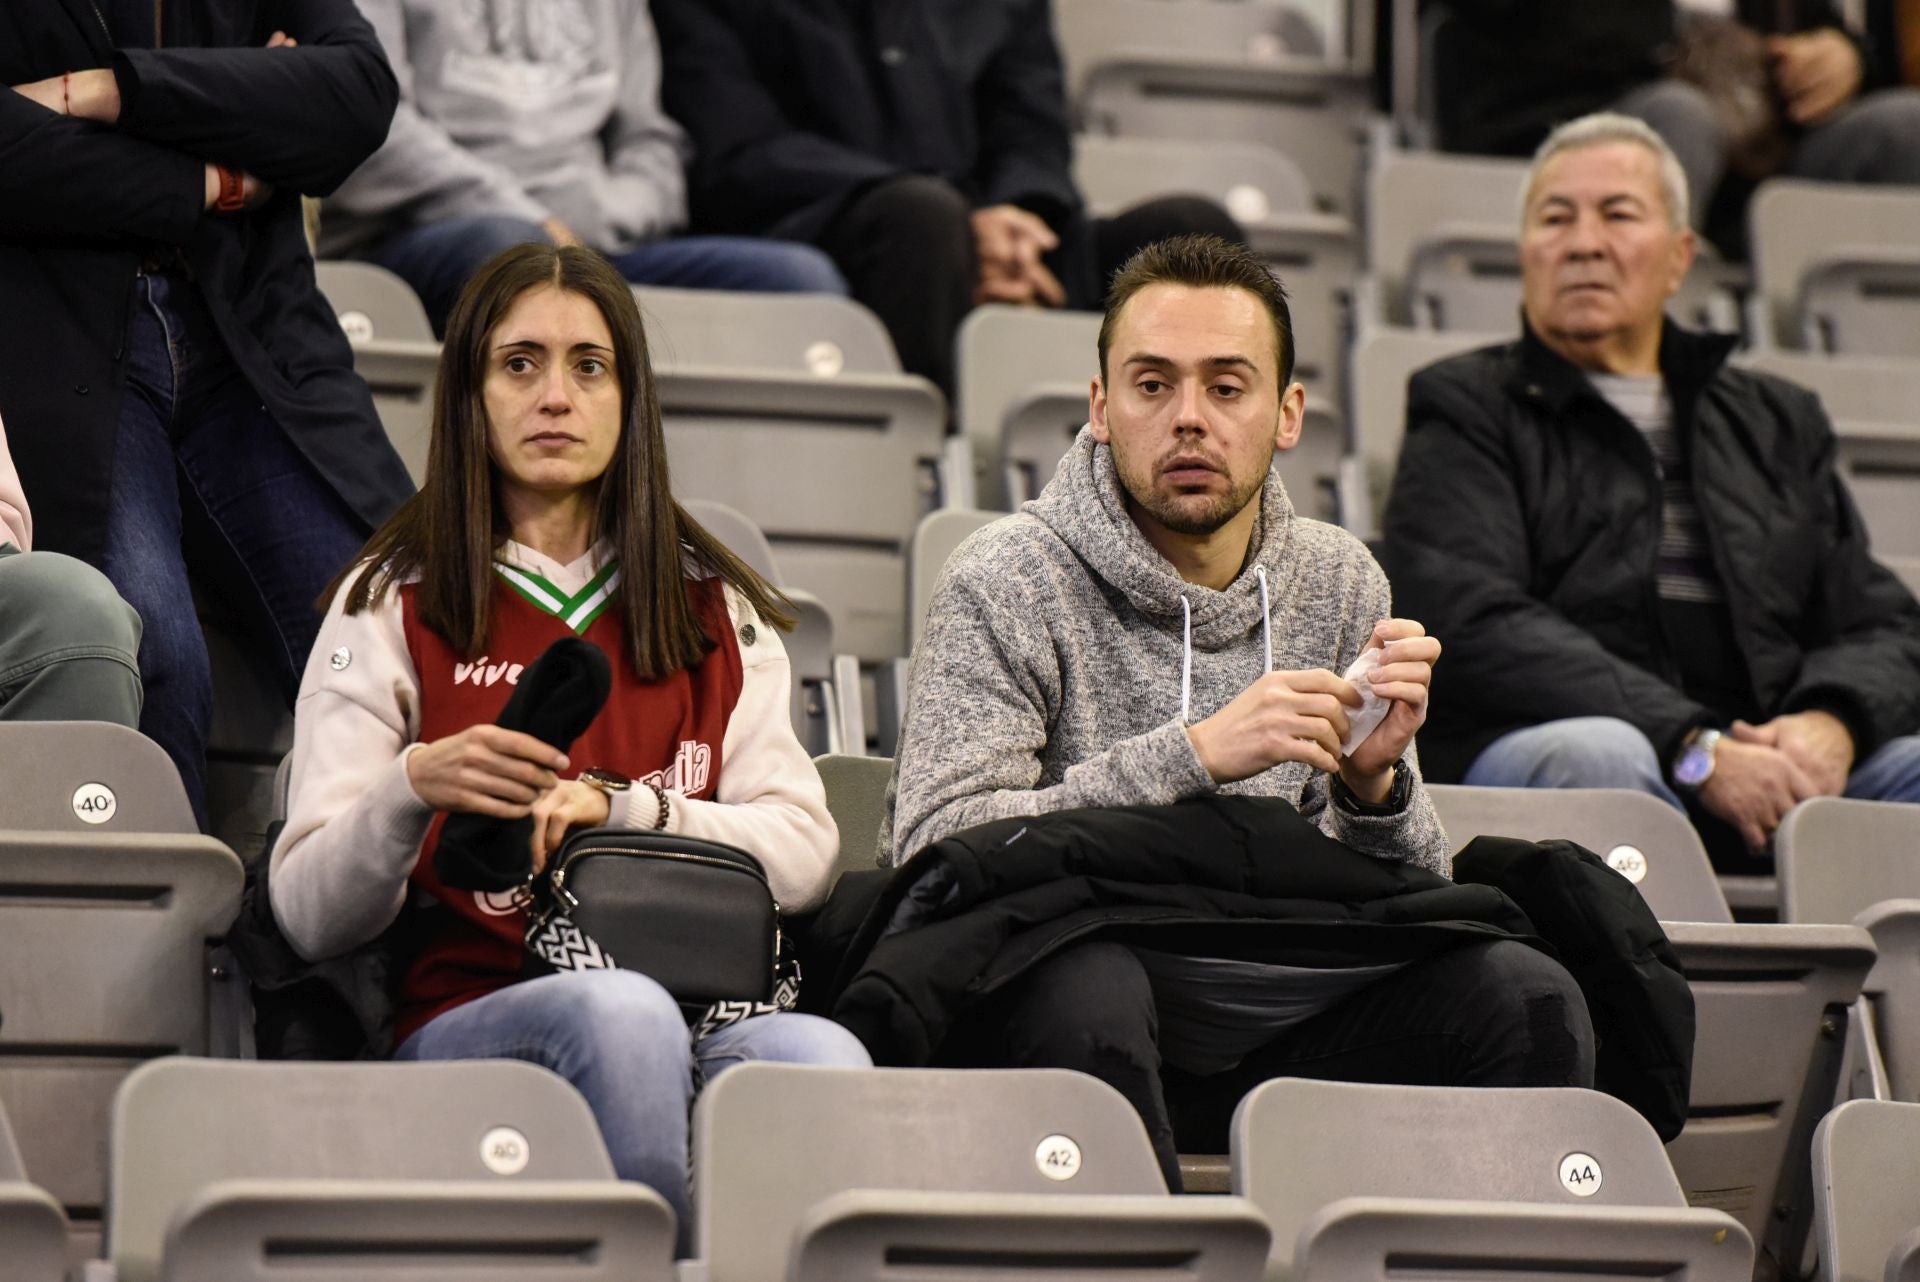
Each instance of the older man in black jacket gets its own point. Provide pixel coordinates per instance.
(1649, 572)
(921, 143)
(169, 373)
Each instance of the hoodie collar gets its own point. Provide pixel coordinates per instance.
(1086, 507)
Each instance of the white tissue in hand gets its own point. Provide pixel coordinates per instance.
(1372, 710)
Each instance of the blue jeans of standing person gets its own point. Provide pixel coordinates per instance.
(204, 479)
(439, 258)
(1606, 752)
(621, 1040)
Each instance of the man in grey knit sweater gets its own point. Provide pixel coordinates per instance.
(1160, 624)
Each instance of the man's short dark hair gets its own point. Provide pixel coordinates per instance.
(1201, 262)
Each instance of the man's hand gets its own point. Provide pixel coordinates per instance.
(568, 804)
(485, 770)
(1284, 716)
(254, 192)
(1752, 787)
(1403, 677)
(1818, 742)
(1817, 72)
(84, 95)
(1009, 243)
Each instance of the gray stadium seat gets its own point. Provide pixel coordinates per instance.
(1443, 247)
(394, 350)
(1859, 862)
(827, 712)
(255, 1172)
(1022, 405)
(33, 1230)
(987, 1173)
(105, 962)
(1771, 1005)
(1837, 266)
(252, 728)
(783, 406)
(89, 777)
(1214, 72)
(1384, 357)
(1360, 1180)
(857, 799)
(1907, 568)
(939, 533)
(1315, 255)
(1866, 1207)
(1875, 407)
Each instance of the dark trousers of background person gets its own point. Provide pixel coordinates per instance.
(438, 259)
(204, 478)
(906, 249)
(1498, 1013)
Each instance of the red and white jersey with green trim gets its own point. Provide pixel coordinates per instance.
(668, 731)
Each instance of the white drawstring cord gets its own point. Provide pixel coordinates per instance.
(1186, 661)
(1266, 616)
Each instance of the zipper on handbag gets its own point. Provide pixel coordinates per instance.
(559, 878)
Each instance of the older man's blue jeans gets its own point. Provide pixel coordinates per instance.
(621, 1040)
(1606, 752)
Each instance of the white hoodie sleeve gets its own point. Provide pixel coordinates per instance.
(769, 800)
(354, 823)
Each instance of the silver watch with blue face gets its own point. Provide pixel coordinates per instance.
(1694, 766)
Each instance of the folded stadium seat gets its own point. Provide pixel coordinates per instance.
(827, 712)
(89, 777)
(856, 1175)
(1217, 72)
(33, 1229)
(394, 350)
(1865, 1206)
(1024, 379)
(857, 800)
(106, 961)
(1771, 1001)
(1364, 1182)
(787, 407)
(1874, 403)
(1384, 357)
(1443, 252)
(1859, 862)
(1836, 267)
(934, 540)
(446, 1172)
(1315, 255)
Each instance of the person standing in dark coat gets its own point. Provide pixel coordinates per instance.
(923, 144)
(1647, 567)
(178, 394)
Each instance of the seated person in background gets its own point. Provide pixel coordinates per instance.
(923, 145)
(1507, 73)
(181, 401)
(1160, 624)
(67, 640)
(548, 407)
(524, 121)
(1648, 570)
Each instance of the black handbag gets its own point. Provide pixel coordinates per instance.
(696, 916)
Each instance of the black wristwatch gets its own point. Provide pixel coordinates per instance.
(1398, 794)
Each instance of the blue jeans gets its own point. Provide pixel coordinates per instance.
(621, 1040)
(439, 258)
(1605, 752)
(203, 478)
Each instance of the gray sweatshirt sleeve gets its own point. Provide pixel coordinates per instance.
(421, 174)
(646, 151)
(985, 690)
(1414, 835)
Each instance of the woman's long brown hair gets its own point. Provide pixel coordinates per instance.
(449, 532)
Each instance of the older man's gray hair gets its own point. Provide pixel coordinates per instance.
(1607, 127)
